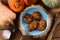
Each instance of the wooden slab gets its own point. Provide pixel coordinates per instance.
(57, 32)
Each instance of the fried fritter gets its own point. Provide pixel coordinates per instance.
(36, 15)
(32, 25)
(41, 25)
(28, 18)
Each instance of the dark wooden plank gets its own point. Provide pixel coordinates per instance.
(1, 38)
(57, 32)
(17, 36)
(56, 39)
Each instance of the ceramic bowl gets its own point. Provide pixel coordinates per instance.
(24, 27)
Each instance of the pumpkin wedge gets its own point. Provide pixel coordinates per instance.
(29, 2)
(16, 5)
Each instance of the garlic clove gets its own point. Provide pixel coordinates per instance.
(6, 34)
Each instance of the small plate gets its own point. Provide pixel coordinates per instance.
(24, 27)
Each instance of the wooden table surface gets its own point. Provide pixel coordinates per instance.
(17, 35)
(56, 35)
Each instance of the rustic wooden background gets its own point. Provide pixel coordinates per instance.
(17, 34)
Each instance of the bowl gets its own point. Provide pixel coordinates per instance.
(52, 3)
(35, 33)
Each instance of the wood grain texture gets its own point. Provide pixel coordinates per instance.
(57, 32)
(56, 39)
(17, 35)
(1, 38)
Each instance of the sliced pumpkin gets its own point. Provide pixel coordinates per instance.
(16, 5)
(29, 2)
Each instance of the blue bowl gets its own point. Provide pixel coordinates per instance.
(24, 26)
